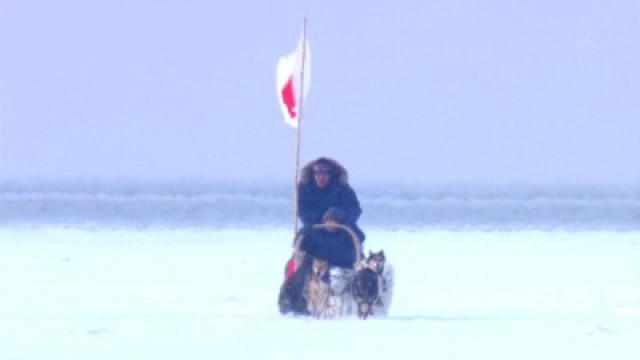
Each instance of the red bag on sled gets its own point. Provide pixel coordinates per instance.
(290, 268)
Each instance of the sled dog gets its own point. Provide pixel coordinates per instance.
(373, 285)
(318, 290)
(365, 289)
(377, 262)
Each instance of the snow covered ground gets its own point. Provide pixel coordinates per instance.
(70, 293)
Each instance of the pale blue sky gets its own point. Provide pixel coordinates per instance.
(422, 91)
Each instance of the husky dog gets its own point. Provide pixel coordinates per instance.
(373, 285)
(378, 262)
(366, 290)
(317, 292)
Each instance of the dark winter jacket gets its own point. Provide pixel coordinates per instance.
(336, 247)
(313, 202)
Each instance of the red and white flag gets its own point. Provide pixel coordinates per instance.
(288, 81)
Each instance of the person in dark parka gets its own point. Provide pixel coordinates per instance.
(332, 245)
(324, 196)
(324, 185)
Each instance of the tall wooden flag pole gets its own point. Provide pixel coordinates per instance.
(299, 130)
(293, 78)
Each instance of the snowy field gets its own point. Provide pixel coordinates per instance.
(70, 293)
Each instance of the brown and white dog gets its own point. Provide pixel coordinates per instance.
(317, 290)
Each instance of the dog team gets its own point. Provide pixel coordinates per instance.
(333, 293)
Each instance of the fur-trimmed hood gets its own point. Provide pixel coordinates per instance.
(338, 173)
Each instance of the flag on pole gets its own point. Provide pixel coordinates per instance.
(289, 80)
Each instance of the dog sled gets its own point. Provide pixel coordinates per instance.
(312, 288)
